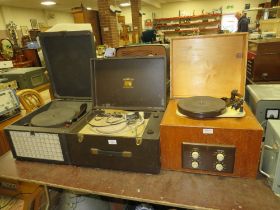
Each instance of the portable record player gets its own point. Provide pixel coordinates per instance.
(41, 134)
(122, 131)
(194, 136)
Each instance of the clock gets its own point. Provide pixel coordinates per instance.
(7, 50)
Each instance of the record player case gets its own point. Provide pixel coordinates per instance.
(211, 65)
(136, 84)
(67, 56)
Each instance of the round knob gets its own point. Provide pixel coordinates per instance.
(220, 157)
(194, 164)
(195, 155)
(219, 167)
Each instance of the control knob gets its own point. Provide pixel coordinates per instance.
(220, 157)
(219, 167)
(195, 155)
(194, 164)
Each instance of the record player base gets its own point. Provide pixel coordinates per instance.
(193, 145)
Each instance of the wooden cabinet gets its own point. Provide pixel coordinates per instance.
(82, 15)
(263, 63)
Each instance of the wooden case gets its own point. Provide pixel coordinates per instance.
(209, 66)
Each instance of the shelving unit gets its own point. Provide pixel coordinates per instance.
(206, 23)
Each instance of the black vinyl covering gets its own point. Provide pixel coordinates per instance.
(136, 83)
(67, 56)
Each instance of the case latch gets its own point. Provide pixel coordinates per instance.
(80, 138)
(138, 141)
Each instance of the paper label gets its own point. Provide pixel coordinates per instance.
(112, 141)
(208, 131)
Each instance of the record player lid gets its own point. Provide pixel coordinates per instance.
(210, 65)
(130, 83)
(67, 55)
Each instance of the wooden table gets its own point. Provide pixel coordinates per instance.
(169, 188)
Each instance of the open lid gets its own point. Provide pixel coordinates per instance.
(211, 65)
(67, 55)
(130, 83)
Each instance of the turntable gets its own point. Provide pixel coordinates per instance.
(41, 135)
(122, 130)
(202, 132)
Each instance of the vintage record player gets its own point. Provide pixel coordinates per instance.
(122, 131)
(40, 135)
(200, 131)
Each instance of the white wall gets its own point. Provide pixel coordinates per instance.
(22, 16)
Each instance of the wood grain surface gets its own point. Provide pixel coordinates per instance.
(211, 65)
(169, 188)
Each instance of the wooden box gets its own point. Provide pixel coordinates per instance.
(209, 66)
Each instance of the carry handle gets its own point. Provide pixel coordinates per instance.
(126, 154)
(261, 161)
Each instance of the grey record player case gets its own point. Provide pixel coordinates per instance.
(67, 56)
(147, 93)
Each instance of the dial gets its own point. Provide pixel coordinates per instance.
(220, 157)
(219, 167)
(272, 114)
(195, 164)
(195, 155)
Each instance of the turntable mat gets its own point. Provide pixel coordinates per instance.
(201, 106)
(53, 117)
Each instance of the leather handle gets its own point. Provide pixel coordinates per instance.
(95, 151)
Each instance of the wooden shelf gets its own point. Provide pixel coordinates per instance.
(187, 24)
(190, 30)
(189, 17)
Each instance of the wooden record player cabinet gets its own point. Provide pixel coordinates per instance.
(211, 65)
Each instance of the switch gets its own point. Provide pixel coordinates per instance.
(220, 157)
(195, 164)
(195, 155)
(219, 167)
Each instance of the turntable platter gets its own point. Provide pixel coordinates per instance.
(53, 118)
(201, 107)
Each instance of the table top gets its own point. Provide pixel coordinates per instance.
(177, 189)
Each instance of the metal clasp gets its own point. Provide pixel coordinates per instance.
(138, 141)
(80, 138)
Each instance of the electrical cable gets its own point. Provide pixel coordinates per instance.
(128, 121)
